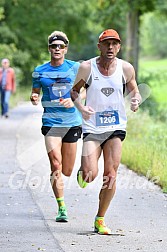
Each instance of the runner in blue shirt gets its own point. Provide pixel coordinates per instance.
(61, 121)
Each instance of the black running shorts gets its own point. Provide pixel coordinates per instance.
(68, 135)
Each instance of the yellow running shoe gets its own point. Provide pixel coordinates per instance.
(100, 227)
(80, 180)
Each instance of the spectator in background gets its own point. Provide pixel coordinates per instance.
(7, 86)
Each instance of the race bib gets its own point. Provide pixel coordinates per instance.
(59, 90)
(107, 118)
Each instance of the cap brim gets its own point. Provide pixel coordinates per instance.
(110, 38)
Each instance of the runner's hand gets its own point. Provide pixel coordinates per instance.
(134, 104)
(67, 103)
(87, 111)
(34, 98)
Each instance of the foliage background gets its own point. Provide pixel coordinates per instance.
(25, 26)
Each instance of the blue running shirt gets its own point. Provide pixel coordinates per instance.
(56, 83)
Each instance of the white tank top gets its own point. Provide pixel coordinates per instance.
(105, 95)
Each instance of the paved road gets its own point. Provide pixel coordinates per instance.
(137, 215)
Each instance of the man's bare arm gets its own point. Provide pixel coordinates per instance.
(81, 79)
(79, 84)
(132, 87)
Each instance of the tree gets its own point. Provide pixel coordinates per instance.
(136, 9)
(154, 38)
(25, 25)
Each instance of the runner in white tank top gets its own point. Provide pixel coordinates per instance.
(104, 117)
(105, 95)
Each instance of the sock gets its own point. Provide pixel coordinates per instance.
(60, 201)
(99, 218)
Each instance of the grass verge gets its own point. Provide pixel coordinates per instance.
(144, 149)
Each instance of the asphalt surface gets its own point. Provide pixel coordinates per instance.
(137, 214)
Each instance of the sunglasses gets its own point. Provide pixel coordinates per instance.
(55, 46)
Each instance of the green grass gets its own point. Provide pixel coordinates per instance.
(154, 73)
(153, 65)
(144, 149)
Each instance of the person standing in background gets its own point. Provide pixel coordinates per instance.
(61, 120)
(7, 85)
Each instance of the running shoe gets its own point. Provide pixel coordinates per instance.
(100, 227)
(62, 214)
(80, 180)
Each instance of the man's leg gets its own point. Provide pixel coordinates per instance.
(1, 98)
(62, 158)
(2, 101)
(68, 151)
(88, 171)
(53, 146)
(112, 155)
(6, 102)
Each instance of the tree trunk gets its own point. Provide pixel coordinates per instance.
(132, 41)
